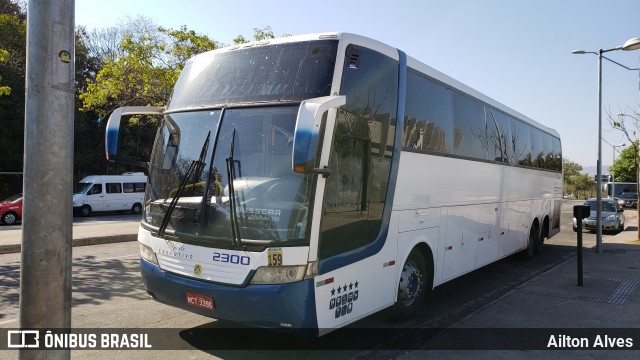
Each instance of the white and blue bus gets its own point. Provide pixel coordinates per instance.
(310, 181)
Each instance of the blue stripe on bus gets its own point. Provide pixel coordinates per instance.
(112, 141)
(266, 306)
(350, 257)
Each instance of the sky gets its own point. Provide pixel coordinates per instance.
(514, 51)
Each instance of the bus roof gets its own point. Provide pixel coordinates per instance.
(350, 38)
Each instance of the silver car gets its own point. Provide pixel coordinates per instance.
(612, 216)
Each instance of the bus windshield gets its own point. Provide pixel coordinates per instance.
(271, 201)
(261, 74)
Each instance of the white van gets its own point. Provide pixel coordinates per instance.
(110, 193)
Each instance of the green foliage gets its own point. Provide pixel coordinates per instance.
(581, 185)
(584, 186)
(186, 44)
(136, 63)
(13, 32)
(258, 35)
(142, 72)
(4, 55)
(146, 72)
(626, 166)
(137, 78)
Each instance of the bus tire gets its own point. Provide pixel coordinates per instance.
(412, 287)
(544, 233)
(85, 210)
(532, 242)
(136, 208)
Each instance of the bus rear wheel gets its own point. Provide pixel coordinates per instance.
(532, 242)
(412, 287)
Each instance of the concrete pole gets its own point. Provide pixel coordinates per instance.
(599, 162)
(45, 275)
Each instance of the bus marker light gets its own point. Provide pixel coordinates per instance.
(324, 282)
(389, 263)
(449, 248)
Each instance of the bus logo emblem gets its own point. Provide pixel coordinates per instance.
(197, 270)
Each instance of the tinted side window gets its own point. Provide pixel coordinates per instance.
(360, 154)
(428, 116)
(520, 143)
(547, 149)
(537, 150)
(499, 131)
(127, 187)
(114, 188)
(469, 128)
(557, 153)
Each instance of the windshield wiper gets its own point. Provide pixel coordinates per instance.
(194, 169)
(231, 175)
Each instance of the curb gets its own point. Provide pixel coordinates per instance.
(15, 248)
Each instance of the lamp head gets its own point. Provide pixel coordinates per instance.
(631, 44)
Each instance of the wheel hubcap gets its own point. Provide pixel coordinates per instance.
(9, 219)
(410, 284)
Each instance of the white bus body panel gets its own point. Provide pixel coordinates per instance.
(484, 210)
(358, 289)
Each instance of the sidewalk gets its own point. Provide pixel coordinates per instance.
(540, 314)
(83, 234)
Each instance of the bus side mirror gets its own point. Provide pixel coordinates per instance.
(113, 126)
(305, 138)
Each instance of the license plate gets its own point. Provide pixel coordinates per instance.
(200, 301)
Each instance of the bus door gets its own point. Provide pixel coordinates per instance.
(356, 263)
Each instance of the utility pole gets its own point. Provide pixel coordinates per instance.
(45, 274)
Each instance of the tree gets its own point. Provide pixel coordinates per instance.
(13, 41)
(141, 72)
(4, 55)
(626, 168)
(144, 71)
(581, 185)
(258, 35)
(584, 186)
(629, 125)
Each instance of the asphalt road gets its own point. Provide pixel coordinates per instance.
(108, 293)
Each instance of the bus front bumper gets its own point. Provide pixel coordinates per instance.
(283, 306)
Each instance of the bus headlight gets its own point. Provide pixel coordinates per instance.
(147, 214)
(279, 274)
(147, 253)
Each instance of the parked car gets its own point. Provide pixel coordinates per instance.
(11, 209)
(628, 199)
(612, 216)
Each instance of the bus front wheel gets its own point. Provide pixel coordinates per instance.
(412, 287)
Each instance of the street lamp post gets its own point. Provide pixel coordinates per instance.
(631, 44)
